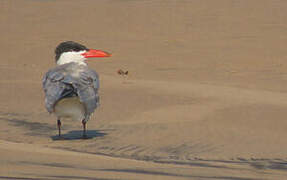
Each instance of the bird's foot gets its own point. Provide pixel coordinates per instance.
(59, 138)
(85, 136)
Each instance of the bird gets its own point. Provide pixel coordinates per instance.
(71, 88)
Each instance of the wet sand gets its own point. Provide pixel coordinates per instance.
(205, 97)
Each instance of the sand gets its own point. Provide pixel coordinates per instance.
(205, 97)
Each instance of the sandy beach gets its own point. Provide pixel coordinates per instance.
(205, 97)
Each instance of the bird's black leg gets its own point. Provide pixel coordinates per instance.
(84, 128)
(59, 126)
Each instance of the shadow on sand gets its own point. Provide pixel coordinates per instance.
(76, 135)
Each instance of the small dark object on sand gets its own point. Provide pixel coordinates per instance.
(123, 73)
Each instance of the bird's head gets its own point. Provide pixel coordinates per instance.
(70, 51)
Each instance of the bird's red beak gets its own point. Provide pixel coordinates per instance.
(95, 53)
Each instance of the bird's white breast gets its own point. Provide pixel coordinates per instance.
(70, 108)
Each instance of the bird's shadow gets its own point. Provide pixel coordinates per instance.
(77, 135)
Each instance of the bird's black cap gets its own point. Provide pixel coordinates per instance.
(68, 46)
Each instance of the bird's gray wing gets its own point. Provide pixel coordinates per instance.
(69, 79)
(56, 84)
(87, 89)
(53, 89)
